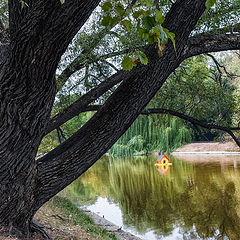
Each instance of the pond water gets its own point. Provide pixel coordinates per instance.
(197, 198)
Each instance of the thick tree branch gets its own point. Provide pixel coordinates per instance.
(47, 14)
(81, 61)
(211, 43)
(79, 106)
(195, 46)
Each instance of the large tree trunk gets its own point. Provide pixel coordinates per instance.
(27, 92)
(27, 88)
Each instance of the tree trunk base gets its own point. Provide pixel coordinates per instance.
(36, 229)
(39, 229)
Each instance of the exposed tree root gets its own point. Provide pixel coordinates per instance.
(57, 216)
(38, 228)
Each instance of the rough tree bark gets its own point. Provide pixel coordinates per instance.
(27, 92)
(39, 35)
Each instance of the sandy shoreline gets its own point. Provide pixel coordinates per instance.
(209, 152)
(209, 148)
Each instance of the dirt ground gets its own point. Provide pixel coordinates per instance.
(209, 147)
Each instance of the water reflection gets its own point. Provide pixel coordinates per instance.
(197, 199)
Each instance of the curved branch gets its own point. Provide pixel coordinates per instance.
(219, 66)
(195, 46)
(185, 117)
(194, 121)
(51, 26)
(81, 61)
(211, 43)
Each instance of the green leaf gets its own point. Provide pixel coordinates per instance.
(137, 14)
(149, 22)
(143, 33)
(151, 39)
(148, 3)
(143, 58)
(163, 36)
(210, 3)
(120, 10)
(172, 37)
(107, 6)
(127, 63)
(127, 24)
(166, 31)
(159, 17)
(106, 20)
(156, 31)
(62, 1)
(113, 21)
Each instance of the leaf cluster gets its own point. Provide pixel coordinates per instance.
(147, 24)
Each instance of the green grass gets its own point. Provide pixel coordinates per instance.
(79, 217)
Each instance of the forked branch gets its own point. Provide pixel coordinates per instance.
(79, 106)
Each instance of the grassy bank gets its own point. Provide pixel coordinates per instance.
(64, 221)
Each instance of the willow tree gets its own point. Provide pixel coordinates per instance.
(38, 34)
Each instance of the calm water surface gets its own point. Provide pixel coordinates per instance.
(198, 198)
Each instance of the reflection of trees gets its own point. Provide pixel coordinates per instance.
(210, 207)
(147, 199)
(93, 183)
(189, 195)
